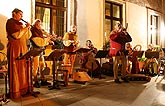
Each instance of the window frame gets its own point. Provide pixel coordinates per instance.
(157, 28)
(53, 7)
(111, 18)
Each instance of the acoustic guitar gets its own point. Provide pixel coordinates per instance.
(70, 45)
(40, 41)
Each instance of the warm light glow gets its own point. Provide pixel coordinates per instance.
(69, 12)
(162, 31)
(7, 6)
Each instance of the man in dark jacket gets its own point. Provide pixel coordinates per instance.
(118, 38)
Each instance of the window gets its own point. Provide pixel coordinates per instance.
(153, 28)
(113, 14)
(154, 36)
(53, 14)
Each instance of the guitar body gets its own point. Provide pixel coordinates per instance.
(40, 42)
(69, 45)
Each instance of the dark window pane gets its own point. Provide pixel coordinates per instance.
(59, 22)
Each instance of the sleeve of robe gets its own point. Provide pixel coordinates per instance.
(24, 32)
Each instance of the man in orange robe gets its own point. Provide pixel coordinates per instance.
(19, 74)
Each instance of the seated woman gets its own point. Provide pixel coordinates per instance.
(133, 65)
(89, 62)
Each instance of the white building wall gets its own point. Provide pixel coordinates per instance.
(90, 21)
(136, 17)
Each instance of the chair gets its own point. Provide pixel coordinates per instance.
(137, 48)
(161, 70)
(4, 72)
(62, 76)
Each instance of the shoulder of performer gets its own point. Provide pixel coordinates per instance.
(13, 26)
(114, 32)
(65, 37)
(44, 32)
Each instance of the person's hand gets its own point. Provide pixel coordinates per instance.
(27, 25)
(120, 30)
(51, 42)
(125, 33)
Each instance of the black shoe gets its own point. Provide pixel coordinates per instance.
(125, 79)
(36, 84)
(101, 77)
(117, 81)
(45, 83)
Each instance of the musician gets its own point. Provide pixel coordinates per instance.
(71, 42)
(151, 64)
(118, 38)
(17, 35)
(89, 45)
(132, 60)
(90, 62)
(39, 40)
(150, 48)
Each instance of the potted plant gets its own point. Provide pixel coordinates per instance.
(141, 61)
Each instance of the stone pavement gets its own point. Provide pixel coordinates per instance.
(99, 92)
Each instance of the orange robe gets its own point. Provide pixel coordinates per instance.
(19, 74)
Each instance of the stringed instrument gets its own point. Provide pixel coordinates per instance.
(91, 63)
(41, 41)
(68, 43)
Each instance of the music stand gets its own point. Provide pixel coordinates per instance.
(28, 56)
(54, 56)
(82, 50)
(102, 54)
(30, 53)
(152, 54)
(138, 53)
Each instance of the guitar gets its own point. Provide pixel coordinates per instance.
(68, 43)
(40, 41)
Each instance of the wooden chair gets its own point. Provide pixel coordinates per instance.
(4, 72)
